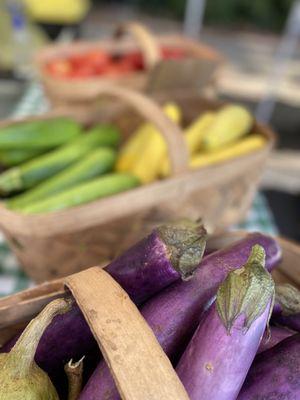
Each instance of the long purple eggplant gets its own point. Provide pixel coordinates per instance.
(287, 307)
(217, 360)
(174, 313)
(275, 374)
(273, 336)
(169, 253)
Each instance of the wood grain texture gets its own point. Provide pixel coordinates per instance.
(139, 366)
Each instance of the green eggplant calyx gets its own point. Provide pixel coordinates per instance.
(289, 299)
(21, 357)
(185, 242)
(246, 291)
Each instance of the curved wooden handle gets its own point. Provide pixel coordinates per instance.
(140, 368)
(176, 144)
(145, 40)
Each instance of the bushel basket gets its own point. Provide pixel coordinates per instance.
(196, 70)
(60, 243)
(138, 364)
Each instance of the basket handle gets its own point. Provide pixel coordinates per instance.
(145, 40)
(151, 111)
(140, 368)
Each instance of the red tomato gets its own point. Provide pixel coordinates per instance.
(76, 60)
(173, 53)
(83, 71)
(135, 60)
(95, 63)
(118, 69)
(60, 68)
(97, 58)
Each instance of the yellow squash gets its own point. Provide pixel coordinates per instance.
(231, 123)
(143, 153)
(241, 147)
(193, 134)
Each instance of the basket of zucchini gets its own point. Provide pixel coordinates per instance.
(74, 196)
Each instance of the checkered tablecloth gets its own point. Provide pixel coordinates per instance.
(12, 279)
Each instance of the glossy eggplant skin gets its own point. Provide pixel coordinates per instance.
(216, 362)
(167, 254)
(275, 373)
(175, 313)
(273, 336)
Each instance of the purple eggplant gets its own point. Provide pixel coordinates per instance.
(287, 307)
(275, 374)
(174, 313)
(273, 336)
(217, 360)
(169, 253)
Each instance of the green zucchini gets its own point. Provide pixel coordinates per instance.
(84, 193)
(93, 164)
(43, 134)
(11, 158)
(33, 172)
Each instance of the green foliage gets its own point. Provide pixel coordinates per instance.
(263, 14)
(266, 14)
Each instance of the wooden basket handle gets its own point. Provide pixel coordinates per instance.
(145, 40)
(151, 111)
(140, 368)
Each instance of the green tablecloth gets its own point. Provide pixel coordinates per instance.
(12, 279)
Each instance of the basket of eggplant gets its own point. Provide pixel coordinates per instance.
(84, 193)
(174, 318)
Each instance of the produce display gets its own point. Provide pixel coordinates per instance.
(54, 164)
(98, 62)
(212, 313)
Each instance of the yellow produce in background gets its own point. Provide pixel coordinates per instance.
(193, 134)
(143, 153)
(57, 11)
(231, 123)
(239, 148)
(196, 131)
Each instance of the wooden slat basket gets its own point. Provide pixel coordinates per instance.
(60, 243)
(198, 69)
(139, 366)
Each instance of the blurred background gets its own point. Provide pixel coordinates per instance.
(259, 40)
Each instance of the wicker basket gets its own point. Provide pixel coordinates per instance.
(196, 70)
(139, 366)
(58, 244)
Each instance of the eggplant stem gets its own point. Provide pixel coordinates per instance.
(74, 373)
(21, 356)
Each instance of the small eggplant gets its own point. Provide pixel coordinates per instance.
(275, 373)
(287, 307)
(20, 377)
(217, 360)
(273, 336)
